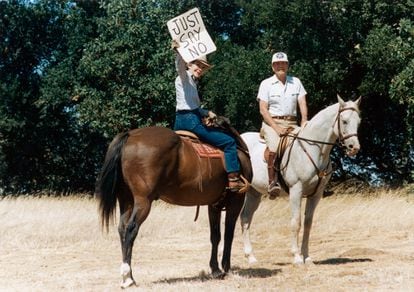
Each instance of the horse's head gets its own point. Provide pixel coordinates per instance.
(348, 121)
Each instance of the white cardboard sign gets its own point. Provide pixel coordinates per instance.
(189, 31)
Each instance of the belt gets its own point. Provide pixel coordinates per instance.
(286, 118)
(187, 111)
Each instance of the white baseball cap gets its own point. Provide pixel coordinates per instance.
(279, 57)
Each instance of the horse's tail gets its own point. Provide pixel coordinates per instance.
(109, 178)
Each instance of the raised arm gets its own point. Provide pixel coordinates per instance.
(180, 65)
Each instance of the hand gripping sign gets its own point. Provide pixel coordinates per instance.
(189, 31)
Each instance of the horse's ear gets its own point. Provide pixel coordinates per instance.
(340, 100)
(358, 101)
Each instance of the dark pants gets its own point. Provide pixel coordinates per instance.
(191, 121)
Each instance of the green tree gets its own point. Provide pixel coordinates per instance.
(123, 80)
(388, 57)
(128, 72)
(72, 151)
(334, 47)
(75, 73)
(27, 39)
(117, 77)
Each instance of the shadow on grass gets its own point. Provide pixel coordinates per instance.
(203, 276)
(256, 272)
(341, 261)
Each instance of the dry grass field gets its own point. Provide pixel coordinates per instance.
(358, 243)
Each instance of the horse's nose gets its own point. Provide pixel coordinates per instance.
(357, 147)
(352, 149)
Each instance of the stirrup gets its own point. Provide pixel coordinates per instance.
(242, 185)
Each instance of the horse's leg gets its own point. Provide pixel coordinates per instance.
(295, 201)
(124, 222)
(251, 204)
(214, 215)
(311, 204)
(233, 207)
(128, 228)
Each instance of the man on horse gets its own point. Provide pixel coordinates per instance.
(278, 98)
(189, 115)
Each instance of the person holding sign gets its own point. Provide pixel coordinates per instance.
(189, 114)
(189, 31)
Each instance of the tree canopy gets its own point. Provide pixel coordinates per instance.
(75, 73)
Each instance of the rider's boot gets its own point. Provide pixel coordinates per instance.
(236, 184)
(274, 187)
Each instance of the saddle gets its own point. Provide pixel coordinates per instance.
(203, 150)
(207, 150)
(284, 143)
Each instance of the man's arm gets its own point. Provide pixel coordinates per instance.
(264, 111)
(303, 107)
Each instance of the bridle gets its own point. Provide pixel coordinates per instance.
(341, 137)
(322, 172)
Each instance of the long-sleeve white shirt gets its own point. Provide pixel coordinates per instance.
(185, 87)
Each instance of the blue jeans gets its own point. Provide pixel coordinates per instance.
(191, 121)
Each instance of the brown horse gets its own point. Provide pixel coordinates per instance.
(152, 163)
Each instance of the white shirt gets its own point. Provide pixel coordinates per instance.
(185, 87)
(281, 98)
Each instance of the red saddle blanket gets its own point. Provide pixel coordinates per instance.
(206, 150)
(202, 149)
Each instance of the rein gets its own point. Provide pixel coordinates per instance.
(341, 138)
(321, 173)
(310, 140)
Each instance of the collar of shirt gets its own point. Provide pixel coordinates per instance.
(192, 76)
(196, 80)
(275, 80)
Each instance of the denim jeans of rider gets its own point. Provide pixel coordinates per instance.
(191, 121)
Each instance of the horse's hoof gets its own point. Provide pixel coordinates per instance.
(218, 275)
(252, 259)
(127, 283)
(127, 279)
(298, 261)
(309, 261)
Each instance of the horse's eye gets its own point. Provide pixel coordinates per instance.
(345, 122)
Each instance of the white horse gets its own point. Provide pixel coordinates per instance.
(305, 168)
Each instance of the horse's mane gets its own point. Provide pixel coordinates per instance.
(332, 110)
(328, 109)
(336, 107)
